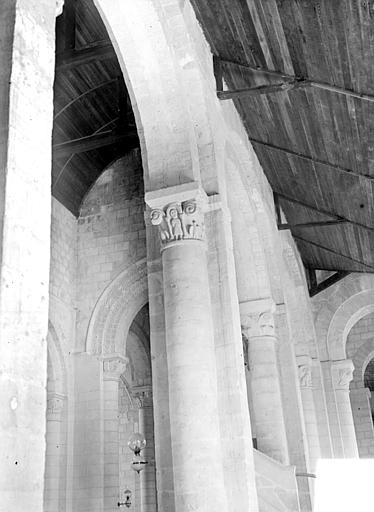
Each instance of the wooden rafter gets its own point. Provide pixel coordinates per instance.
(332, 251)
(323, 211)
(284, 81)
(84, 94)
(315, 287)
(94, 141)
(315, 224)
(310, 158)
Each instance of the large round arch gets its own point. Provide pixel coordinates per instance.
(116, 309)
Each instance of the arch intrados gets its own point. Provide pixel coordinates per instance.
(116, 309)
(367, 360)
(344, 318)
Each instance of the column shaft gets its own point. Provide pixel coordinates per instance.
(258, 326)
(196, 446)
(191, 359)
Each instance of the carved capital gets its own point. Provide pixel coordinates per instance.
(142, 396)
(257, 318)
(59, 7)
(342, 374)
(304, 368)
(179, 213)
(113, 366)
(55, 405)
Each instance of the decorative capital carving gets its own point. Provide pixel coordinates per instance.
(304, 368)
(179, 213)
(342, 374)
(55, 405)
(59, 7)
(257, 318)
(113, 366)
(179, 221)
(143, 396)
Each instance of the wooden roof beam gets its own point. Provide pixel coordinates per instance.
(309, 158)
(315, 224)
(286, 80)
(326, 283)
(95, 141)
(68, 59)
(323, 211)
(332, 251)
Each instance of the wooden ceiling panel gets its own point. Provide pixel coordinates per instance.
(93, 120)
(316, 142)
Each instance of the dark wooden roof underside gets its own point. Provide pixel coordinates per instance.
(93, 120)
(315, 145)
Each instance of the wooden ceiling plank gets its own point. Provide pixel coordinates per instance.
(292, 28)
(243, 30)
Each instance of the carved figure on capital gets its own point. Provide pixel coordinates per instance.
(342, 374)
(55, 404)
(113, 367)
(179, 221)
(305, 376)
(258, 324)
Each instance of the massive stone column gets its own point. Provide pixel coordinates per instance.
(342, 374)
(305, 369)
(194, 422)
(113, 367)
(258, 327)
(148, 498)
(26, 113)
